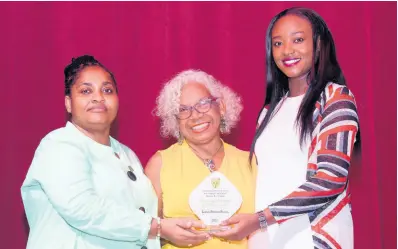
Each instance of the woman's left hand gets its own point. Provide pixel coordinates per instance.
(242, 225)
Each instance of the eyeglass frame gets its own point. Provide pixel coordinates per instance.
(190, 108)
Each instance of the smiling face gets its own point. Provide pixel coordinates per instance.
(292, 45)
(200, 128)
(93, 101)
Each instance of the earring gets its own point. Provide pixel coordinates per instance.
(180, 138)
(317, 52)
(223, 125)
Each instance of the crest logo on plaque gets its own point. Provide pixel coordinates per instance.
(215, 182)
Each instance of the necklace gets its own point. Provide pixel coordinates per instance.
(208, 162)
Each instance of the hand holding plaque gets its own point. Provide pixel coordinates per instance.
(215, 199)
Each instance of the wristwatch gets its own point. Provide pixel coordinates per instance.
(262, 220)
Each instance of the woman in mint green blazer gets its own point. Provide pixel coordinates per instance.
(84, 189)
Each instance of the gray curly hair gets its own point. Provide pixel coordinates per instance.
(168, 101)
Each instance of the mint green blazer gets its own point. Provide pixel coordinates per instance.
(77, 195)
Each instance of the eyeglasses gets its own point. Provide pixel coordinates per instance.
(202, 106)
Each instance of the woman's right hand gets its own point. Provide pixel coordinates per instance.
(182, 233)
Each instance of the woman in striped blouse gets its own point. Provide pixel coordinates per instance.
(304, 142)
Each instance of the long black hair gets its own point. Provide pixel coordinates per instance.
(325, 68)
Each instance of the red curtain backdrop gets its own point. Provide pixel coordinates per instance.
(145, 44)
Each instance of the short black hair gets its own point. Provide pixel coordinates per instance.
(72, 70)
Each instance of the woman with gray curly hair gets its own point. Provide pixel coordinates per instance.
(196, 109)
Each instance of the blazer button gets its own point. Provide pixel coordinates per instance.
(131, 175)
(143, 210)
